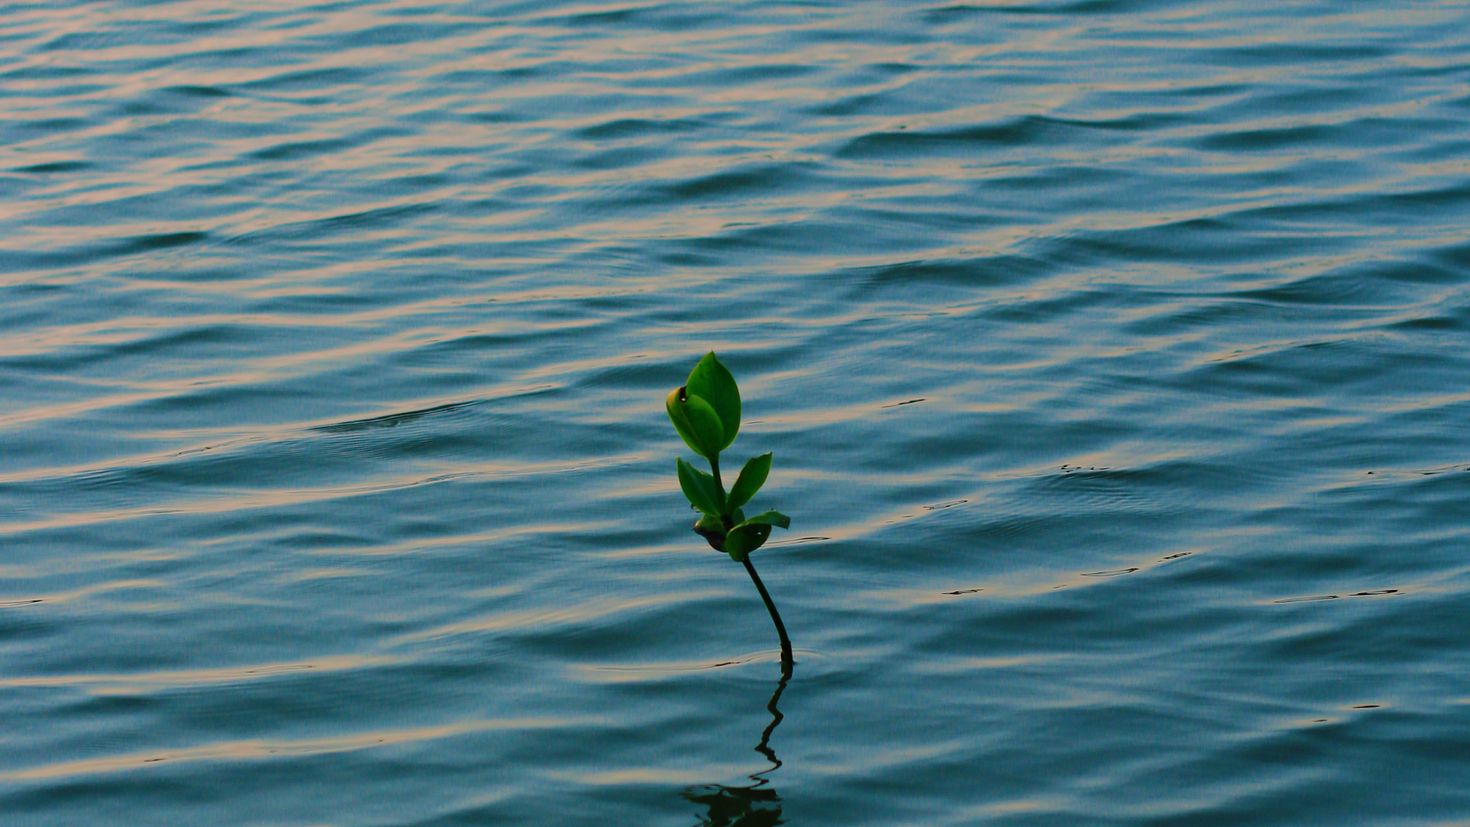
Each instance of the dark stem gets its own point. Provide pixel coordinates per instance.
(786, 659)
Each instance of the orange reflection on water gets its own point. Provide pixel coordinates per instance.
(133, 683)
(259, 749)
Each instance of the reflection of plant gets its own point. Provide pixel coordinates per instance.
(752, 805)
(737, 806)
(705, 411)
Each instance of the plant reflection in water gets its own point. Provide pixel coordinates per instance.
(751, 805)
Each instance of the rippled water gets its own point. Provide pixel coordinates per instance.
(1113, 354)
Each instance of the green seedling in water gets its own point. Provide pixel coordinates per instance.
(705, 411)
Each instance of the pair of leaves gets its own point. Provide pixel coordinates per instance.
(745, 536)
(707, 496)
(706, 409)
(748, 534)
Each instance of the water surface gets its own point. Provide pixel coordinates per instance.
(1113, 355)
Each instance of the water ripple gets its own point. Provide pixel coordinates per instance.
(1111, 355)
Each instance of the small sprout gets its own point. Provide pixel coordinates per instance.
(705, 411)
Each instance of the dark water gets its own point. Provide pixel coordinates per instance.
(1113, 354)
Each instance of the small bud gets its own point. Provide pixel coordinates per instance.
(712, 530)
(696, 422)
(711, 381)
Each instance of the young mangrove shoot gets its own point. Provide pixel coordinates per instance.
(706, 413)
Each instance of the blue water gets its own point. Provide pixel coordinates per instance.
(1113, 355)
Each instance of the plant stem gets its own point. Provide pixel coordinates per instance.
(786, 659)
(714, 467)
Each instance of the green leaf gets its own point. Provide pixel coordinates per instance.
(700, 488)
(745, 538)
(696, 422)
(711, 380)
(769, 518)
(751, 478)
(752, 533)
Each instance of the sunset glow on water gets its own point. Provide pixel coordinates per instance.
(1113, 356)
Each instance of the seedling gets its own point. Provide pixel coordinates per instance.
(706, 412)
